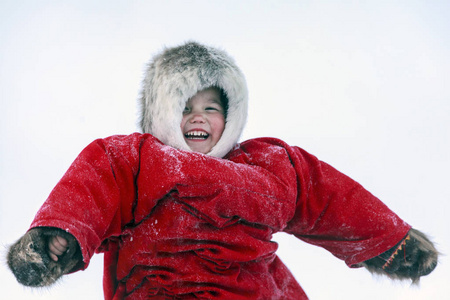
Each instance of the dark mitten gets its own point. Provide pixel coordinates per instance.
(411, 258)
(30, 262)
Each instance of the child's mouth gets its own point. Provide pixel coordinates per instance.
(196, 135)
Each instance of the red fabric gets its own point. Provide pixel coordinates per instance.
(181, 224)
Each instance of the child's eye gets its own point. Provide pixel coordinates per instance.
(186, 110)
(214, 108)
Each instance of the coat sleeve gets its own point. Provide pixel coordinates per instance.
(95, 197)
(337, 213)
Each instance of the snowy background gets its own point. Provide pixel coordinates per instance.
(363, 85)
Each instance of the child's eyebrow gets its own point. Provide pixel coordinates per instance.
(215, 100)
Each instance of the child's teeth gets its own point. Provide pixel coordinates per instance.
(196, 135)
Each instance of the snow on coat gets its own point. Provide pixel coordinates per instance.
(184, 224)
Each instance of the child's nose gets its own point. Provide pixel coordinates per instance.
(198, 118)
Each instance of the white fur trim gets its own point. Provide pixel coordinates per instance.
(177, 74)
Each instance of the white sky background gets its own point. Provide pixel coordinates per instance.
(362, 85)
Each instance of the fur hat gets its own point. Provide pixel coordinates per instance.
(177, 74)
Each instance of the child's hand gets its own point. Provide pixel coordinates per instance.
(411, 258)
(34, 260)
(57, 245)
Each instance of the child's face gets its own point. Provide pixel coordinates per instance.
(203, 120)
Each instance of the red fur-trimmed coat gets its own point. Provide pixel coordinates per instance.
(182, 224)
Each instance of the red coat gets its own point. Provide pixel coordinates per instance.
(179, 223)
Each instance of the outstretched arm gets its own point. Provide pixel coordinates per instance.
(89, 204)
(335, 212)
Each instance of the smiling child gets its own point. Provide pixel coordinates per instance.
(185, 211)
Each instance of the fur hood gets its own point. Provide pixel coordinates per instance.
(177, 74)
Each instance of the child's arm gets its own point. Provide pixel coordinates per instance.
(335, 212)
(87, 206)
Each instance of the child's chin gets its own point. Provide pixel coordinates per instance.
(201, 150)
(198, 146)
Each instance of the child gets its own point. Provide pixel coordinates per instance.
(176, 223)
